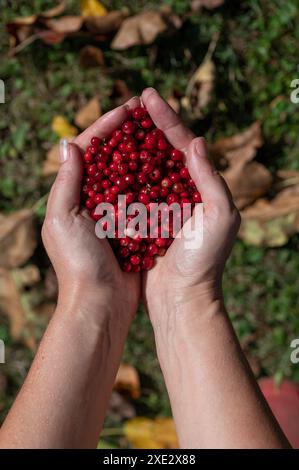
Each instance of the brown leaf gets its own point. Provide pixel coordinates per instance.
(196, 5)
(139, 29)
(272, 223)
(50, 37)
(89, 113)
(51, 284)
(27, 276)
(120, 93)
(55, 11)
(45, 309)
(65, 24)
(91, 56)
(17, 238)
(239, 147)
(51, 164)
(127, 381)
(145, 433)
(247, 182)
(119, 408)
(201, 84)
(174, 102)
(107, 24)
(12, 305)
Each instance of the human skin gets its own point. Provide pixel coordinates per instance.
(214, 397)
(64, 399)
(215, 400)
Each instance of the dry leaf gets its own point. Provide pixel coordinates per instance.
(55, 11)
(65, 24)
(200, 86)
(174, 102)
(91, 56)
(89, 113)
(50, 37)
(46, 310)
(13, 306)
(17, 238)
(51, 164)
(105, 24)
(272, 223)
(120, 93)
(127, 381)
(119, 408)
(27, 276)
(144, 433)
(239, 147)
(63, 128)
(92, 8)
(139, 29)
(196, 5)
(247, 182)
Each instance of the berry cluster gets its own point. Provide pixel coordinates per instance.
(136, 161)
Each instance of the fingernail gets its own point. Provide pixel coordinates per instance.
(151, 89)
(201, 145)
(64, 150)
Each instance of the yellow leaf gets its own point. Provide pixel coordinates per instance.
(92, 8)
(158, 433)
(63, 128)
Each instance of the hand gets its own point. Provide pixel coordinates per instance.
(184, 275)
(85, 265)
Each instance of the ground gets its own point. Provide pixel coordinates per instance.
(256, 59)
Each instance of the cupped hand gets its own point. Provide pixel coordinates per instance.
(85, 265)
(187, 273)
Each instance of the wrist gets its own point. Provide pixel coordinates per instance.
(95, 305)
(185, 304)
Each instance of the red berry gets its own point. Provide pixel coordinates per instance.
(128, 127)
(135, 259)
(177, 155)
(197, 197)
(147, 263)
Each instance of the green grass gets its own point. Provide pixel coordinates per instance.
(256, 59)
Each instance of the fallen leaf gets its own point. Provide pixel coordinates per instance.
(65, 24)
(13, 306)
(63, 128)
(139, 29)
(119, 408)
(174, 102)
(17, 238)
(55, 11)
(51, 164)
(145, 433)
(247, 182)
(45, 309)
(50, 37)
(127, 381)
(272, 222)
(107, 24)
(239, 147)
(27, 276)
(201, 84)
(91, 56)
(89, 113)
(92, 8)
(196, 5)
(51, 284)
(246, 179)
(120, 92)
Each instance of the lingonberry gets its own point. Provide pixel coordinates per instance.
(137, 161)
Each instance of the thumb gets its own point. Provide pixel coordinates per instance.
(66, 191)
(209, 182)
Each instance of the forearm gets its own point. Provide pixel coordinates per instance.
(64, 399)
(215, 399)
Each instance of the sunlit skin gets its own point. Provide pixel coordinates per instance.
(214, 397)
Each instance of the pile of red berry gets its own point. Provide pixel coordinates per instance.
(136, 161)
